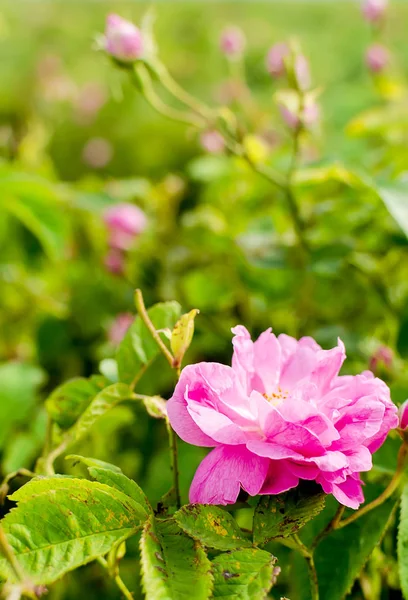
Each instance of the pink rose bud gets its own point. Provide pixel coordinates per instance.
(302, 72)
(275, 60)
(377, 58)
(232, 42)
(311, 113)
(123, 40)
(212, 142)
(382, 356)
(374, 10)
(403, 416)
(125, 222)
(290, 116)
(115, 262)
(119, 327)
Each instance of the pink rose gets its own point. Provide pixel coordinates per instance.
(123, 40)
(377, 58)
(275, 60)
(125, 222)
(281, 413)
(232, 42)
(374, 10)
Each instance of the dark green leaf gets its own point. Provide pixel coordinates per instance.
(174, 567)
(243, 574)
(284, 515)
(212, 526)
(68, 401)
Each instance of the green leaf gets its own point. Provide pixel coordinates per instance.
(19, 383)
(340, 557)
(138, 349)
(403, 543)
(61, 523)
(36, 204)
(395, 198)
(111, 475)
(174, 567)
(69, 400)
(283, 515)
(104, 401)
(212, 526)
(243, 574)
(182, 335)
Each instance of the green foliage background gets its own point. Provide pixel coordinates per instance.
(219, 238)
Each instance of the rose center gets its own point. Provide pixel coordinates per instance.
(277, 396)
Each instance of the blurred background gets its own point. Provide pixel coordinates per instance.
(76, 139)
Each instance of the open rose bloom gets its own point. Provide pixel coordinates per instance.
(281, 413)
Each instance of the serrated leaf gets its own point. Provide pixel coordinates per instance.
(138, 349)
(122, 483)
(182, 335)
(212, 526)
(69, 400)
(103, 401)
(174, 567)
(403, 543)
(341, 556)
(243, 574)
(111, 475)
(283, 515)
(61, 523)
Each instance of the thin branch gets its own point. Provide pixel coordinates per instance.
(141, 309)
(333, 524)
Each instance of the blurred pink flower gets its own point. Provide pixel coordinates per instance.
(294, 116)
(374, 10)
(281, 413)
(123, 40)
(91, 98)
(302, 72)
(119, 327)
(212, 141)
(232, 42)
(275, 60)
(377, 58)
(125, 222)
(115, 262)
(97, 153)
(403, 416)
(383, 355)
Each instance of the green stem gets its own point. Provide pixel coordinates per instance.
(387, 493)
(307, 553)
(144, 82)
(4, 487)
(174, 462)
(289, 193)
(117, 579)
(181, 94)
(141, 309)
(333, 524)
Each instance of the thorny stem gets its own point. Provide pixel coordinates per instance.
(387, 493)
(117, 579)
(141, 308)
(144, 81)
